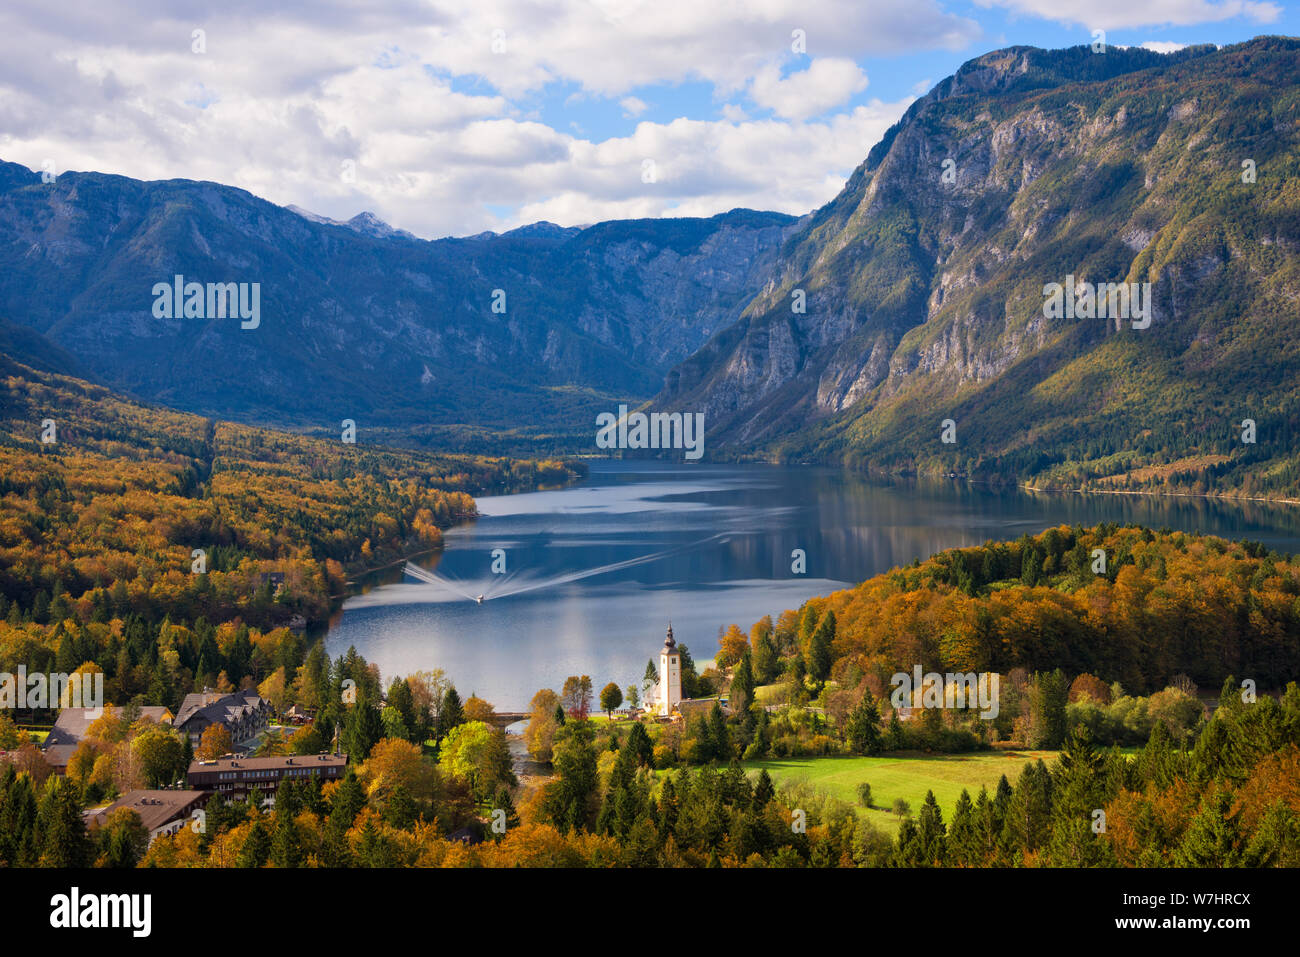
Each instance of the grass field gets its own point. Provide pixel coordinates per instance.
(907, 777)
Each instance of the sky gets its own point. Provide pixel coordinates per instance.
(450, 117)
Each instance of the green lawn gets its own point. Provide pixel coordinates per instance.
(907, 777)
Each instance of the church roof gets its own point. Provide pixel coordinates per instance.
(669, 643)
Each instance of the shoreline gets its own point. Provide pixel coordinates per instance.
(1217, 496)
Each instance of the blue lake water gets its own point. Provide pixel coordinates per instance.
(593, 573)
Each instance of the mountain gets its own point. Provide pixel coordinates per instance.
(365, 223)
(358, 320)
(925, 293)
(29, 347)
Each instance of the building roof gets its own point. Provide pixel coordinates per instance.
(272, 762)
(669, 643)
(155, 808)
(218, 708)
(73, 723)
(57, 756)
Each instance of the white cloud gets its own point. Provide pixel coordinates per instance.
(633, 106)
(828, 82)
(1163, 46)
(437, 125)
(707, 167)
(1122, 14)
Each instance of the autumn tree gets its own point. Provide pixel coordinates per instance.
(575, 696)
(214, 742)
(611, 696)
(396, 764)
(730, 646)
(539, 735)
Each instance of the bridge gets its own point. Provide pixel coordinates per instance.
(503, 719)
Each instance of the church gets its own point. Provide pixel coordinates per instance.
(668, 693)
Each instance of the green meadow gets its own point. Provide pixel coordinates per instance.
(908, 777)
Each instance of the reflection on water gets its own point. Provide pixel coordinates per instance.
(592, 574)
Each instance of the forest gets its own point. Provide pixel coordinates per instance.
(1161, 775)
(165, 549)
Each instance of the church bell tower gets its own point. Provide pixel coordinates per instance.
(670, 675)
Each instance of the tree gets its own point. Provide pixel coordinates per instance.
(214, 742)
(611, 696)
(402, 701)
(731, 646)
(649, 679)
(450, 714)
(394, 725)
(964, 848)
(568, 800)
(766, 662)
(478, 709)
(722, 748)
(10, 735)
(160, 753)
(820, 648)
(930, 833)
(633, 697)
(286, 843)
(1213, 838)
(60, 830)
(742, 684)
(863, 727)
(576, 696)
(276, 690)
(396, 764)
(256, 849)
(122, 840)
(1030, 810)
(427, 691)
(1047, 700)
(477, 754)
(539, 736)
(363, 727)
(639, 744)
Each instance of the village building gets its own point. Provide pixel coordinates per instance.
(73, 723)
(236, 776)
(245, 714)
(161, 812)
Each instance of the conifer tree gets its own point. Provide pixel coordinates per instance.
(863, 727)
(256, 850)
(963, 838)
(931, 834)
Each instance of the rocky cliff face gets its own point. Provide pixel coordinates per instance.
(924, 279)
(359, 320)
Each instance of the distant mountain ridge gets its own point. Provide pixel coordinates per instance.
(362, 321)
(899, 328)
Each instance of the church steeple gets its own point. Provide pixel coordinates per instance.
(670, 675)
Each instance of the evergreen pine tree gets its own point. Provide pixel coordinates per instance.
(256, 850)
(931, 833)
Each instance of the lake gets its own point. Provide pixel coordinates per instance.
(585, 580)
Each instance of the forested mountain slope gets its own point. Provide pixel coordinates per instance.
(924, 283)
